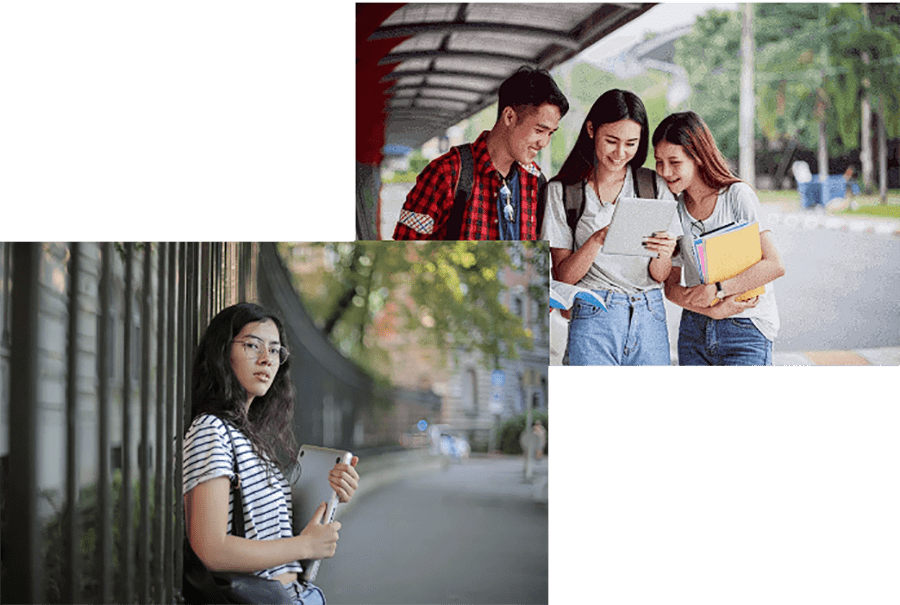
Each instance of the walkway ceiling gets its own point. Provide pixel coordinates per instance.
(428, 66)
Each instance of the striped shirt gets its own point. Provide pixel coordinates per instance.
(267, 513)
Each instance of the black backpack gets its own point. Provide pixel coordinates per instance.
(573, 195)
(464, 194)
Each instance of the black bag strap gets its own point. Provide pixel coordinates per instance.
(573, 195)
(573, 203)
(237, 520)
(645, 183)
(463, 191)
(541, 204)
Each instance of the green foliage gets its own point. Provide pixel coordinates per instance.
(417, 161)
(806, 53)
(512, 429)
(710, 55)
(449, 295)
(56, 541)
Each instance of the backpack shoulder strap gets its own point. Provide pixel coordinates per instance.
(541, 203)
(645, 183)
(573, 203)
(463, 191)
(237, 512)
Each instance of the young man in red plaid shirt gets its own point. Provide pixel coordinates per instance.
(503, 203)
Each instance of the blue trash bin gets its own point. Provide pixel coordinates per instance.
(811, 192)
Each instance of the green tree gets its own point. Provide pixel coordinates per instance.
(710, 55)
(864, 42)
(448, 294)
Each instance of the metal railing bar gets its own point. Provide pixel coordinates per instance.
(189, 311)
(22, 489)
(105, 545)
(175, 408)
(168, 546)
(205, 272)
(126, 529)
(146, 351)
(161, 327)
(72, 584)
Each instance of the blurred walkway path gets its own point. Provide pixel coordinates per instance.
(472, 533)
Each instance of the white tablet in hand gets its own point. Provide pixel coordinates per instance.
(635, 219)
(312, 489)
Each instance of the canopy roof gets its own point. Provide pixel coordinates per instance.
(428, 66)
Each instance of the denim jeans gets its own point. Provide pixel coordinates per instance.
(631, 332)
(305, 594)
(733, 341)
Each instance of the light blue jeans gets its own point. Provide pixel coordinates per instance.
(733, 341)
(305, 594)
(631, 332)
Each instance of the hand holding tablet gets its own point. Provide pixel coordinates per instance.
(637, 221)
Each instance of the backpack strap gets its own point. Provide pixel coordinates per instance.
(645, 183)
(237, 512)
(463, 191)
(541, 204)
(573, 203)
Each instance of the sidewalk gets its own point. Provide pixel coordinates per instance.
(887, 356)
(788, 214)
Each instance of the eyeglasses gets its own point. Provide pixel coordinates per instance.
(254, 349)
(698, 225)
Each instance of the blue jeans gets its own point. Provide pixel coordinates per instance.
(703, 341)
(305, 594)
(631, 332)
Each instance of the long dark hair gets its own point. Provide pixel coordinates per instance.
(688, 130)
(612, 106)
(215, 388)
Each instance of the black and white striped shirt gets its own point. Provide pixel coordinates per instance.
(267, 511)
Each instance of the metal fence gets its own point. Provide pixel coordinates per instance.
(95, 356)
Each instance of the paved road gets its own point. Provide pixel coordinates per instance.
(473, 533)
(841, 290)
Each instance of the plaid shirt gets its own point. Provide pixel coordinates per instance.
(427, 208)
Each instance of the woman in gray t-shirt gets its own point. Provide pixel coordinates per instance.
(603, 167)
(716, 328)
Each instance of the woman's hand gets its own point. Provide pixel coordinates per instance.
(661, 242)
(730, 305)
(344, 479)
(599, 236)
(700, 296)
(320, 538)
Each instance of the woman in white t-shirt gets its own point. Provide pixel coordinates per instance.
(605, 166)
(716, 328)
(241, 385)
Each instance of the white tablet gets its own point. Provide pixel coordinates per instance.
(312, 489)
(634, 219)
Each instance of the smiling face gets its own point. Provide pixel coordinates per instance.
(676, 167)
(615, 143)
(256, 372)
(530, 131)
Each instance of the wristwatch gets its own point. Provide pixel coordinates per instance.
(720, 292)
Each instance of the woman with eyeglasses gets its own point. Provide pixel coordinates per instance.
(604, 166)
(242, 395)
(716, 328)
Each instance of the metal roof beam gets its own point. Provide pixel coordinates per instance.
(412, 29)
(455, 74)
(457, 54)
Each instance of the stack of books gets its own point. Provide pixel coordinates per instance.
(727, 251)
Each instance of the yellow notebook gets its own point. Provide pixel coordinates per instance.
(732, 253)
